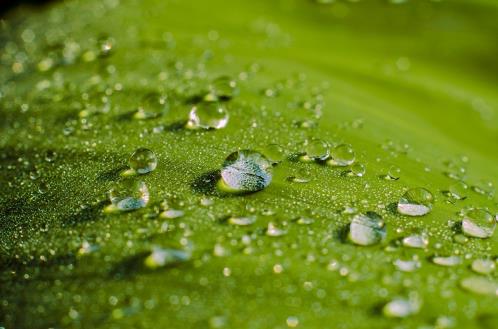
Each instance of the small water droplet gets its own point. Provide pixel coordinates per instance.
(416, 202)
(242, 221)
(317, 149)
(245, 171)
(357, 169)
(305, 221)
(222, 88)
(402, 307)
(478, 223)
(160, 257)
(458, 191)
(480, 285)
(172, 213)
(342, 155)
(275, 231)
(208, 115)
(274, 152)
(447, 260)
(129, 195)
(367, 229)
(410, 265)
(143, 161)
(292, 322)
(483, 266)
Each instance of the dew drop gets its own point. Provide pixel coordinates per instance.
(143, 161)
(419, 241)
(274, 152)
(480, 285)
(447, 261)
(367, 229)
(458, 191)
(160, 257)
(242, 221)
(357, 169)
(407, 265)
(401, 307)
(245, 171)
(394, 173)
(483, 266)
(129, 195)
(416, 202)
(275, 231)
(341, 156)
(478, 223)
(208, 115)
(222, 88)
(317, 149)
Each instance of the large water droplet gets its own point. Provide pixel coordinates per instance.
(478, 223)
(480, 285)
(416, 202)
(245, 171)
(208, 115)
(367, 229)
(129, 195)
(342, 155)
(394, 173)
(143, 161)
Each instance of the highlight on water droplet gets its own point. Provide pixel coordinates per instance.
(245, 171)
(208, 115)
(367, 229)
(416, 202)
(143, 161)
(127, 195)
(342, 155)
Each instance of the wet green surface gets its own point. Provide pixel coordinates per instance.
(411, 85)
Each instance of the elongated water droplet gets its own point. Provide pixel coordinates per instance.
(143, 161)
(245, 171)
(483, 266)
(478, 223)
(242, 221)
(480, 285)
(407, 265)
(416, 202)
(447, 260)
(419, 241)
(208, 115)
(367, 229)
(402, 307)
(129, 195)
(274, 230)
(160, 257)
(342, 155)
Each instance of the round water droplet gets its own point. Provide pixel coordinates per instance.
(143, 161)
(222, 88)
(367, 229)
(274, 152)
(341, 156)
(483, 266)
(317, 149)
(151, 106)
(208, 115)
(129, 195)
(394, 173)
(416, 202)
(245, 171)
(478, 223)
(401, 307)
(458, 190)
(357, 169)
(480, 285)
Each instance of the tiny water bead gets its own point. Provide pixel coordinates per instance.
(143, 161)
(160, 257)
(222, 88)
(342, 155)
(478, 223)
(127, 195)
(367, 229)
(480, 285)
(245, 171)
(357, 169)
(208, 115)
(317, 149)
(416, 202)
(483, 266)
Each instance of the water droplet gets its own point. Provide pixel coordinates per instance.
(357, 169)
(143, 161)
(394, 173)
(317, 149)
(407, 265)
(160, 257)
(222, 88)
(458, 191)
(416, 202)
(129, 195)
(483, 266)
(478, 223)
(401, 307)
(292, 322)
(305, 221)
(420, 241)
(302, 176)
(151, 106)
(447, 260)
(245, 171)
(242, 221)
(480, 285)
(172, 213)
(341, 156)
(274, 230)
(274, 152)
(208, 115)
(367, 229)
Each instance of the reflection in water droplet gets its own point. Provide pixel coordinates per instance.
(160, 257)
(143, 161)
(480, 285)
(367, 229)
(208, 115)
(416, 202)
(342, 155)
(478, 223)
(483, 266)
(245, 171)
(129, 195)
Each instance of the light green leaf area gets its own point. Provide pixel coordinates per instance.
(410, 85)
